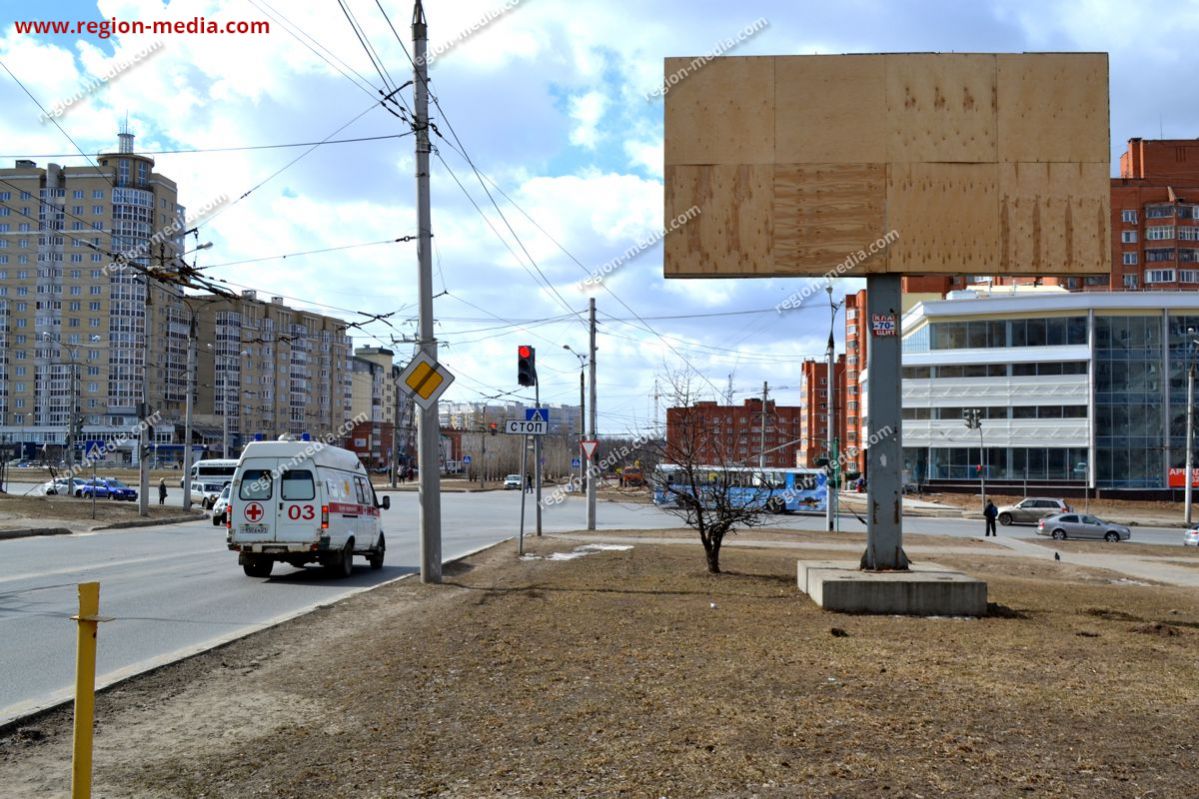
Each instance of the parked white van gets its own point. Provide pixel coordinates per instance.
(303, 501)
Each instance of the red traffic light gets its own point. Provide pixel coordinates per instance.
(526, 366)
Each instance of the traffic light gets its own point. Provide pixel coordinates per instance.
(492, 428)
(526, 365)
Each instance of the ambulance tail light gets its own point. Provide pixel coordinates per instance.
(324, 517)
(229, 516)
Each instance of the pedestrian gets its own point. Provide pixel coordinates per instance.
(989, 513)
(529, 483)
(162, 491)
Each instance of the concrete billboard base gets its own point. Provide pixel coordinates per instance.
(925, 590)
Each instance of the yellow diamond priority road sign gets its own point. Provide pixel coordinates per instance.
(425, 379)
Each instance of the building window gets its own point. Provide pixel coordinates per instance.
(1159, 211)
(1128, 215)
(1157, 256)
(1188, 233)
(1159, 233)
(1128, 237)
(1188, 276)
(98, 194)
(1130, 259)
(1188, 256)
(1130, 281)
(1159, 276)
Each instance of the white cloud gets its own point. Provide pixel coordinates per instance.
(587, 110)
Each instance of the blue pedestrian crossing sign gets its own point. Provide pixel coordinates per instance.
(466, 459)
(575, 463)
(93, 449)
(537, 414)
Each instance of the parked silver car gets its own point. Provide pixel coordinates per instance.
(1031, 510)
(1082, 525)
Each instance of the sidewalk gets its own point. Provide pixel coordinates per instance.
(1160, 569)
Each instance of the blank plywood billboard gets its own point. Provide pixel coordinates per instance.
(979, 163)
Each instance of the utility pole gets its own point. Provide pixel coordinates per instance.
(427, 425)
(762, 443)
(592, 482)
(143, 438)
(73, 415)
(582, 426)
(583, 413)
(1187, 491)
(187, 423)
(537, 457)
(831, 417)
(657, 408)
(225, 411)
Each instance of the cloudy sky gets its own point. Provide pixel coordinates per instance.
(549, 102)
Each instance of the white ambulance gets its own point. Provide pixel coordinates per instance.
(303, 501)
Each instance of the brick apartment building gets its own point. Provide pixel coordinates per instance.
(732, 434)
(813, 430)
(1155, 216)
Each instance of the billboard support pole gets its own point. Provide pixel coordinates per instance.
(884, 508)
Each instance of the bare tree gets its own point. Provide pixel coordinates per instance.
(700, 483)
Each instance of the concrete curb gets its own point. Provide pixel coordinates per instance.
(149, 522)
(30, 532)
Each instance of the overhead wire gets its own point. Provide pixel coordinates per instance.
(461, 150)
(399, 240)
(47, 115)
(235, 149)
(364, 40)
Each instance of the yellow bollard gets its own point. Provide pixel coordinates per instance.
(85, 688)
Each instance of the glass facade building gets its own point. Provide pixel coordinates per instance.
(1072, 389)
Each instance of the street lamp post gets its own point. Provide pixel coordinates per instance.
(582, 414)
(225, 397)
(73, 401)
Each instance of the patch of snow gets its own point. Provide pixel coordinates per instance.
(589, 549)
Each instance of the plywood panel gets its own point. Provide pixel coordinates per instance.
(1053, 107)
(827, 216)
(941, 107)
(1053, 220)
(830, 109)
(946, 217)
(733, 232)
(783, 157)
(720, 111)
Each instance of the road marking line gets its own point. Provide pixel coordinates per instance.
(104, 565)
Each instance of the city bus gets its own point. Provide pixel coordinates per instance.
(773, 490)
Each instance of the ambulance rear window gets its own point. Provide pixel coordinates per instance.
(255, 484)
(297, 484)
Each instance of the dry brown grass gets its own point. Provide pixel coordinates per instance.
(637, 674)
(17, 511)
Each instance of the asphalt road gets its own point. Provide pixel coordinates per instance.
(176, 589)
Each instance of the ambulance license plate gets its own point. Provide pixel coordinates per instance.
(254, 529)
